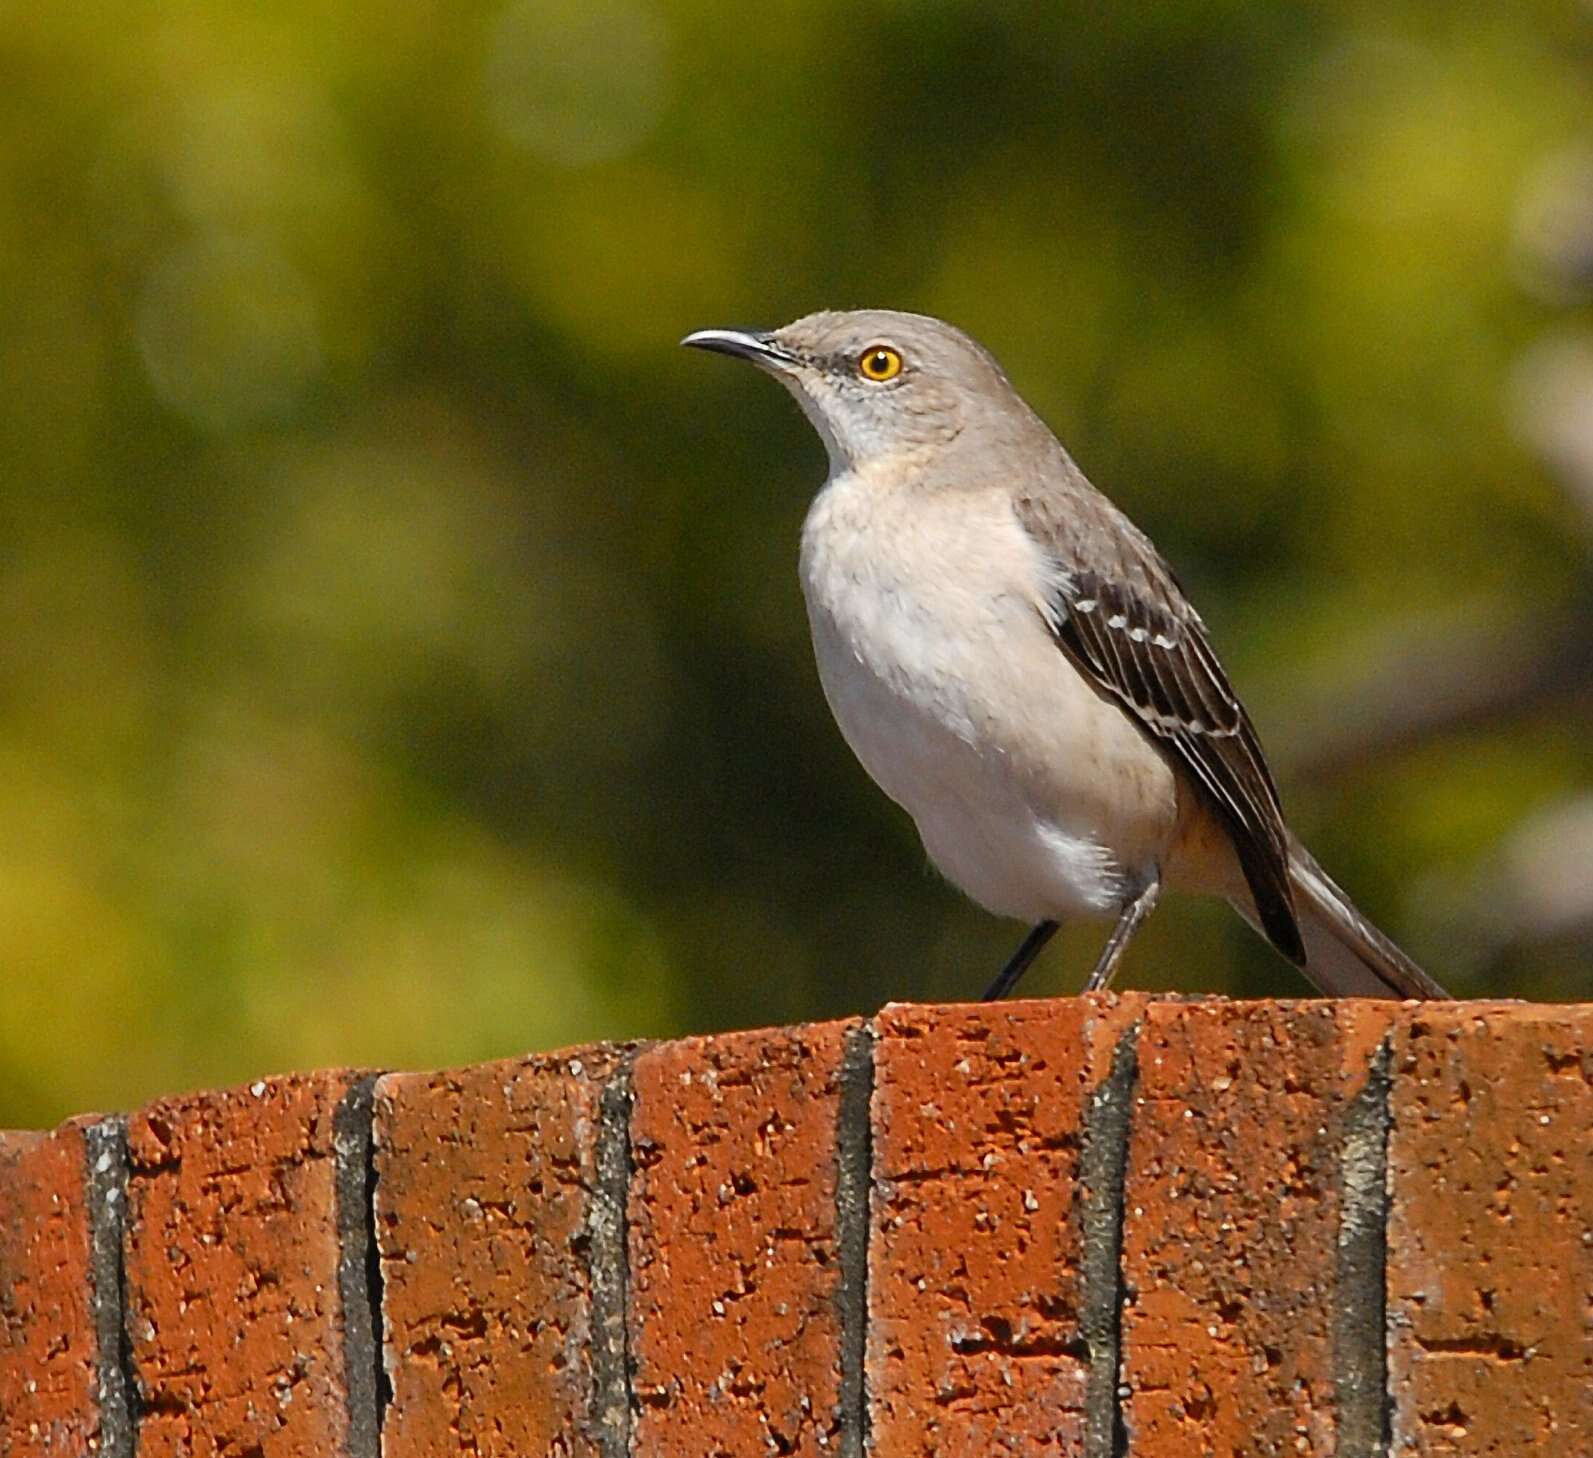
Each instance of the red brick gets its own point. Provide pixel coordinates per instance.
(976, 1261)
(234, 1311)
(61, 1385)
(48, 1352)
(735, 1269)
(485, 1190)
(1231, 1224)
(1490, 1260)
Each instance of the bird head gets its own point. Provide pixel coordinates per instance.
(877, 382)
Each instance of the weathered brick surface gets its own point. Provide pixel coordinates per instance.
(49, 1401)
(976, 1264)
(736, 1324)
(61, 1384)
(1490, 1256)
(486, 1181)
(234, 1310)
(1232, 1224)
(1344, 1229)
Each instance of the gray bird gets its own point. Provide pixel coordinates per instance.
(1016, 665)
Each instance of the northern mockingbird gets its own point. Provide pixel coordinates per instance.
(1017, 667)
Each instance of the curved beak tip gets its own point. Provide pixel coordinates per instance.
(748, 344)
(724, 341)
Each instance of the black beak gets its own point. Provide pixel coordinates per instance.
(754, 345)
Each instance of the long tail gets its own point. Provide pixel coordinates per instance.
(1345, 955)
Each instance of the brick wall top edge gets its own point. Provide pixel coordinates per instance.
(592, 1059)
(1217, 1000)
(265, 1087)
(14, 1141)
(604, 1054)
(739, 1039)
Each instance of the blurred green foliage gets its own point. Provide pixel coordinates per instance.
(403, 661)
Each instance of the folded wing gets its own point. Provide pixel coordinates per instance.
(1118, 613)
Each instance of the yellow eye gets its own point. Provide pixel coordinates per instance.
(879, 362)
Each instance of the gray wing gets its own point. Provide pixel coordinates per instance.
(1119, 614)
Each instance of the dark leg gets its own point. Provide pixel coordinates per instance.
(1007, 978)
(1128, 920)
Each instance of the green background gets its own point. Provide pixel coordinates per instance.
(401, 655)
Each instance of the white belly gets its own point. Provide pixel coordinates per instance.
(1031, 793)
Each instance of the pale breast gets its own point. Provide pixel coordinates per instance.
(1031, 792)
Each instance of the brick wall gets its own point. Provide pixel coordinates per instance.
(1097, 1227)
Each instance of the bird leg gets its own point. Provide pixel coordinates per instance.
(1128, 920)
(1039, 934)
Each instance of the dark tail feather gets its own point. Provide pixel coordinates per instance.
(1345, 955)
(1272, 889)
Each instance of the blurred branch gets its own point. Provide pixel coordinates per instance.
(1450, 681)
(1531, 891)
(1543, 889)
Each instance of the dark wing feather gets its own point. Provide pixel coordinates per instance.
(1120, 616)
